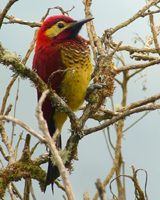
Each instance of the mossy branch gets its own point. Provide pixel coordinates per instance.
(25, 167)
(13, 60)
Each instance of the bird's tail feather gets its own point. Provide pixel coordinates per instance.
(52, 173)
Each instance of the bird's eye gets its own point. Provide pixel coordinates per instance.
(60, 25)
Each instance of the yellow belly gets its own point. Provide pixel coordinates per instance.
(75, 82)
(74, 86)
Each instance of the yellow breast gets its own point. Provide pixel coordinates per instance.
(75, 82)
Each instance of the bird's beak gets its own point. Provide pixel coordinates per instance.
(80, 22)
(76, 26)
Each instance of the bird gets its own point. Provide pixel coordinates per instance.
(60, 47)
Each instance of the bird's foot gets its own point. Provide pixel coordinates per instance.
(94, 86)
(80, 133)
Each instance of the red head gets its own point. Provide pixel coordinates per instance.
(58, 28)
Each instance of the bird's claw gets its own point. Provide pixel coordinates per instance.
(79, 133)
(94, 86)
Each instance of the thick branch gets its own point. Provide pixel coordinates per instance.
(6, 58)
(57, 159)
(23, 168)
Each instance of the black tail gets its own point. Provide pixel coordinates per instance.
(53, 172)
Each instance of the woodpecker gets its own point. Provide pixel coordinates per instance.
(59, 46)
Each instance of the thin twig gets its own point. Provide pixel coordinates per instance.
(14, 115)
(150, 38)
(89, 29)
(8, 109)
(23, 125)
(151, 99)
(121, 116)
(94, 39)
(136, 72)
(110, 185)
(86, 195)
(145, 188)
(6, 9)
(13, 19)
(100, 189)
(58, 71)
(139, 66)
(27, 188)
(16, 191)
(64, 197)
(136, 16)
(31, 48)
(154, 32)
(63, 11)
(32, 191)
(115, 163)
(1, 163)
(151, 12)
(11, 192)
(33, 149)
(134, 49)
(7, 94)
(59, 185)
(6, 141)
(115, 49)
(135, 122)
(138, 191)
(109, 137)
(16, 147)
(107, 143)
(143, 57)
(3, 153)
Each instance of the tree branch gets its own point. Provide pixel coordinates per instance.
(115, 162)
(13, 19)
(7, 94)
(6, 58)
(140, 13)
(121, 116)
(4, 12)
(23, 125)
(139, 66)
(154, 32)
(57, 159)
(94, 39)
